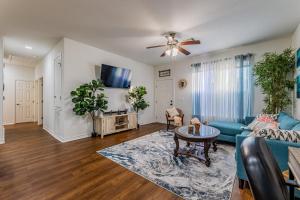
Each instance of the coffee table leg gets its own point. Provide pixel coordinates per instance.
(177, 146)
(206, 148)
(215, 146)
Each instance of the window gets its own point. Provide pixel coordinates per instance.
(222, 89)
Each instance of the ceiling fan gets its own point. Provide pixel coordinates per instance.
(174, 46)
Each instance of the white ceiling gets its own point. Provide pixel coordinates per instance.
(126, 27)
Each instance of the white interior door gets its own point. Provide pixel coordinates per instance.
(164, 98)
(24, 101)
(40, 101)
(36, 100)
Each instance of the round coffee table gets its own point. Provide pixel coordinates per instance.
(197, 143)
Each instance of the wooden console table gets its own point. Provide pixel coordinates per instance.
(109, 124)
(294, 168)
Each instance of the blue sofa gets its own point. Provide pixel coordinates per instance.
(229, 130)
(233, 132)
(279, 148)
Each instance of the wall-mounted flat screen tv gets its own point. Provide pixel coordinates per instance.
(115, 77)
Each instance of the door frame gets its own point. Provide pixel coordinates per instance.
(155, 95)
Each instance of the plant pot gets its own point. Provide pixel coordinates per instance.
(94, 134)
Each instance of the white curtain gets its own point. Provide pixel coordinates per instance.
(218, 91)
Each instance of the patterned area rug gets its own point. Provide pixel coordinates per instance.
(151, 156)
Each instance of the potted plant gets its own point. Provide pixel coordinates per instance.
(88, 99)
(136, 99)
(274, 74)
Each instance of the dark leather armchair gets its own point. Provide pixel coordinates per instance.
(170, 119)
(265, 177)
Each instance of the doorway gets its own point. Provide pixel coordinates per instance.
(164, 98)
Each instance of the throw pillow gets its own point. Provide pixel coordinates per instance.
(268, 117)
(262, 121)
(296, 128)
(287, 122)
(278, 134)
(257, 125)
(172, 112)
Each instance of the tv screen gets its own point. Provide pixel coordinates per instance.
(115, 77)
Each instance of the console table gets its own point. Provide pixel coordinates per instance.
(109, 124)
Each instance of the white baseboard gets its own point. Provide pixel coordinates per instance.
(67, 139)
(9, 124)
(53, 134)
(77, 137)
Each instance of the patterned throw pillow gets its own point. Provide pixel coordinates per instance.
(268, 117)
(278, 134)
(263, 121)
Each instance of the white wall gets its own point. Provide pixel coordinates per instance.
(79, 62)
(179, 70)
(296, 45)
(52, 120)
(12, 73)
(1, 92)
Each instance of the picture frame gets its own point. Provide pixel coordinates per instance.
(298, 86)
(298, 58)
(164, 73)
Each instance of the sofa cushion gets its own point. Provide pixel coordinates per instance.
(296, 128)
(286, 122)
(227, 128)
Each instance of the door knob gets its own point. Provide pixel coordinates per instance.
(18, 104)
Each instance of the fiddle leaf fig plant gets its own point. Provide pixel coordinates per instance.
(274, 74)
(136, 99)
(89, 98)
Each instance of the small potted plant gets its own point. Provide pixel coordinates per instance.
(88, 99)
(136, 99)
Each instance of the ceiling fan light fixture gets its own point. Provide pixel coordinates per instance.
(173, 46)
(172, 51)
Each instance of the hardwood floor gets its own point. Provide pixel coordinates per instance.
(34, 165)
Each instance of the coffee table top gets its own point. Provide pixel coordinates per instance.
(206, 132)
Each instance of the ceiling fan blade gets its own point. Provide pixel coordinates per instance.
(163, 45)
(163, 54)
(182, 50)
(190, 42)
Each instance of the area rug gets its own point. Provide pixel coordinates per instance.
(151, 156)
